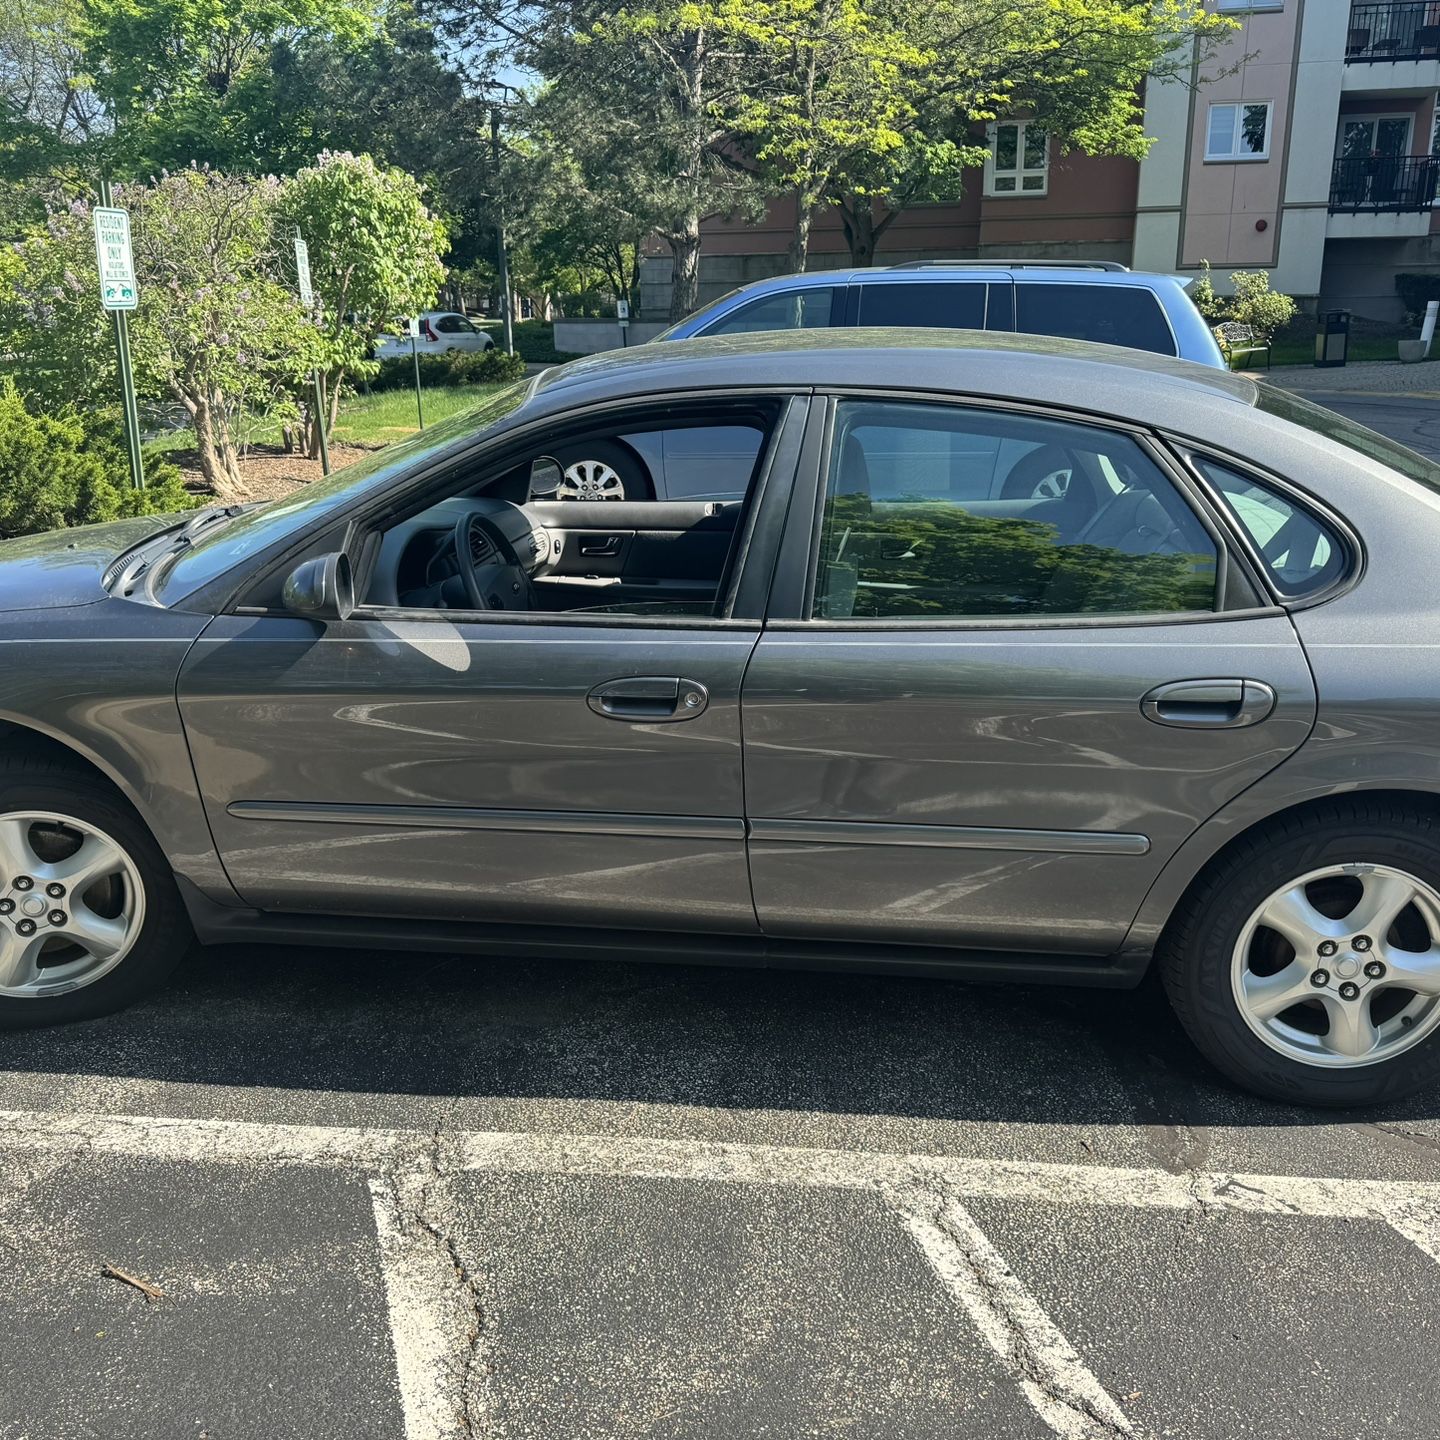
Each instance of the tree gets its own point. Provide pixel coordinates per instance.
(181, 78)
(374, 255)
(659, 82)
(216, 331)
(845, 78)
(886, 96)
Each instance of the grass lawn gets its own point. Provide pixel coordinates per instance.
(1300, 349)
(370, 420)
(390, 414)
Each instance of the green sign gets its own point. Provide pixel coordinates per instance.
(112, 254)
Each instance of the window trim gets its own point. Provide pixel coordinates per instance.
(1234, 157)
(799, 549)
(1021, 170)
(1187, 453)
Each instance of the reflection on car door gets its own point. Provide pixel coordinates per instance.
(534, 768)
(956, 733)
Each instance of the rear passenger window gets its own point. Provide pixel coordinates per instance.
(790, 310)
(935, 511)
(1302, 555)
(1106, 314)
(952, 305)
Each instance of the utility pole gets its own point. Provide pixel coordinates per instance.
(505, 315)
(118, 312)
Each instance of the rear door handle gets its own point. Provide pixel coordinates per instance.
(649, 699)
(1209, 704)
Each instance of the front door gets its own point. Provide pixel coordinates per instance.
(560, 766)
(989, 720)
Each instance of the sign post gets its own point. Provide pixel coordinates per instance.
(118, 295)
(307, 299)
(413, 325)
(622, 314)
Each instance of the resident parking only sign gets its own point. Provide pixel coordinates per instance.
(112, 252)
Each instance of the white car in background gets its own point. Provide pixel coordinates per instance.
(441, 331)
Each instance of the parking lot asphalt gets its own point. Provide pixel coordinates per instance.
(410, 1197)
(396, 1196)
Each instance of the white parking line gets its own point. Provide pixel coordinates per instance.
(437, 1335)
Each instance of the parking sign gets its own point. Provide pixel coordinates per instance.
(112, 255)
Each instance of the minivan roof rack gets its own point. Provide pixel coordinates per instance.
(1010, 265)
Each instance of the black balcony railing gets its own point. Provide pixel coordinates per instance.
(1402, 30)
(1383, 184)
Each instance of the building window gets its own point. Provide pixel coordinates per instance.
(1238, 132)
(1249, 4)
(1019, 161)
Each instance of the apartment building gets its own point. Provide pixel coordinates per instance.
(1309, 147)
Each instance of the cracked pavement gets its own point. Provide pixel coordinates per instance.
(419, 1197)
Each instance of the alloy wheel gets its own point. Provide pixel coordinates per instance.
(1341, 968)
(71, 903)
(591, 480)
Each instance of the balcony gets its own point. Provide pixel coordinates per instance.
(1382, 197)
(1383, 185)
(1388, 33)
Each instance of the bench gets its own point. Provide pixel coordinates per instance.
(1237, 339)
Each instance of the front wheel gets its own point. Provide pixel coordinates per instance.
(90, 918)
(1306, 963)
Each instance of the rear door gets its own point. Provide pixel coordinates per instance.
(989, 722)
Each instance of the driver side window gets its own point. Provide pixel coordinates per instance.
(936, 512)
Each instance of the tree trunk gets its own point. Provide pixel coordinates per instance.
(217, 456)
(799, 252)
(858, 219)
(334, 399)
(684, 243)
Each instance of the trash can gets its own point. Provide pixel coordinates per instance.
(1332, 340)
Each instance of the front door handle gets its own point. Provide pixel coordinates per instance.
(1209, 704)
(651, 699)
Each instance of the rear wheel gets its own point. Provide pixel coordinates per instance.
(90, 918)
(1306, 964)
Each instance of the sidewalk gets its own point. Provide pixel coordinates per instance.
(1372, 377)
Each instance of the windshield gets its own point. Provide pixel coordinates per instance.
(256, 530)
(698, 315)
(1369, 443)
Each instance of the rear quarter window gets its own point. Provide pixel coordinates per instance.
(1105, 314)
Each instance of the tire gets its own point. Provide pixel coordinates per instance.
(590, 466)
(1038, 475)
(143, 895)
(1218, 953)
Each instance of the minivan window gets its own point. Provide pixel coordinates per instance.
(789, 310)
(1106, 314)
(951, 305)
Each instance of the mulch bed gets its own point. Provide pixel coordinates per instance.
(268, 472)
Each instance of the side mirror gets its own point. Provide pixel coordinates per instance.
(321, 589)
(546, 477)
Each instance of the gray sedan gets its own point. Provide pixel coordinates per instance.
(872, 704)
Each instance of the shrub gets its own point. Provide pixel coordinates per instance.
(1416, 291)
(54, 474)
(460, 367)
(1255, 304)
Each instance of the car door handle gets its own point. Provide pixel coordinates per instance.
(1209, 704)
(652, 699)
(601, 549)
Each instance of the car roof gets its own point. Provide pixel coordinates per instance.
(1041, 368)
(929, 272)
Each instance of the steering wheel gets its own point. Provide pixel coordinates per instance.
(490, 569)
